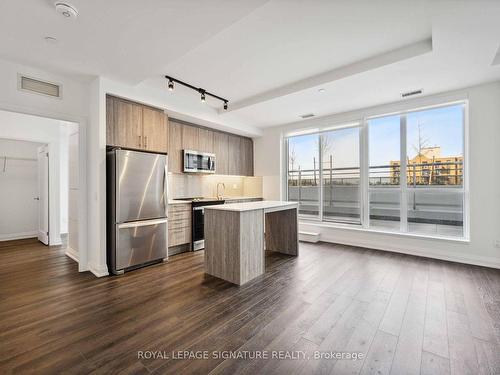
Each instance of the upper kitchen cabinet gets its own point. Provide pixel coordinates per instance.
(190, 138)
(221, 144)
(124, 123)
(235, 155)
(175, 147)
(205, 140)
(133, 125)
(246, 157)
(154, 130)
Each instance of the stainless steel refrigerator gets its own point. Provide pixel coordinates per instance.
(137, 208)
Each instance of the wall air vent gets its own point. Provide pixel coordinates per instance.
(411, 93)
(307, 115)
(39, 87)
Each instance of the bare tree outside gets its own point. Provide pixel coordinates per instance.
(325, 145)
(422, 142)
(292, 158)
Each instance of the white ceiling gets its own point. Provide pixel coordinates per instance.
(254, 52)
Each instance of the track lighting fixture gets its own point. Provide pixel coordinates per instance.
(203, 93)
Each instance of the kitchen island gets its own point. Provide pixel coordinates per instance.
(234, 237)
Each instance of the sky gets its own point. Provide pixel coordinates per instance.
(439, 127)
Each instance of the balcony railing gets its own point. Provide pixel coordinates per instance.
(434, 197)
(422, 174)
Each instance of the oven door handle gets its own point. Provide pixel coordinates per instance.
(199, 208)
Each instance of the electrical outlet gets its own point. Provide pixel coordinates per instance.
(497, 243)
(235, 186)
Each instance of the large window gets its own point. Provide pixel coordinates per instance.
(324, 174)
(303, 173)
(413, 181)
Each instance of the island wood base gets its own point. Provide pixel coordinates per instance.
(235, 245)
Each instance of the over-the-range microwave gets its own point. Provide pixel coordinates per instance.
(198, 162)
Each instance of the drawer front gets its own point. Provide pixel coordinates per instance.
(179, 207)
(179, 236)
(140, 242)
(177, 224)
(179, 215)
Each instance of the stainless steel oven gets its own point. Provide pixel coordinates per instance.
(198, 231)
(198, 162)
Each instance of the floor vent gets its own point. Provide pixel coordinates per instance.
(39, 87)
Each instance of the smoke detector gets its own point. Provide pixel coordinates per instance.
(66, 10)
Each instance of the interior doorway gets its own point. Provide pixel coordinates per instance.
(40, 181)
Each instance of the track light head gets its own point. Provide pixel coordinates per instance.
(170, 85)
(202, 92)
(225, 105)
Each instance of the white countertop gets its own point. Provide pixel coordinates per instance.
(180, 201)
(175, 201)
(250, 206)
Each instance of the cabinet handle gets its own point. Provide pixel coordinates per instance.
(145, 141)
(139, 144)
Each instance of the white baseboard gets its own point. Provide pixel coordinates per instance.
(72, 253)
(18, 236)
(55, 242)
(458, 258)
(99, 271)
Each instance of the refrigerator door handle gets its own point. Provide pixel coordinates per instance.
(142, 223)
(165, 189)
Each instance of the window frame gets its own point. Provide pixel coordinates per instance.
(362, 124)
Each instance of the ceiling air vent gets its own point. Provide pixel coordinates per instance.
(307, 115)
(411, 93)
(39, 87)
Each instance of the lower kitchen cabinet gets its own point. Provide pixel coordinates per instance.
(179, 224)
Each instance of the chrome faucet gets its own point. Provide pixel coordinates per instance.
(220, 196)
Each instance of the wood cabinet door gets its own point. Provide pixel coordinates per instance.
(110, 121)
(247, 156)
(190, 138)
(127, 118)
(234, 155)
(154, 130)
(205, 140)
(221, 148)
(175, 147)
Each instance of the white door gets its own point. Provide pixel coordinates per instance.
(43, 194)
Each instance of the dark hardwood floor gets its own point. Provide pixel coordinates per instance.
(407, 315)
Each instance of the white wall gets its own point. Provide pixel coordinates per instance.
(18, 188)
(73, 192)
(484, 192)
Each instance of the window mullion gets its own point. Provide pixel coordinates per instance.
(403, 176)
(320, 167)
(364, 175)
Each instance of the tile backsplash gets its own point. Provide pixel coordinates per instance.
(186, 185)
